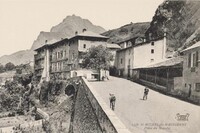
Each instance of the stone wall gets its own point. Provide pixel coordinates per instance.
(28, 127)
(92, 115)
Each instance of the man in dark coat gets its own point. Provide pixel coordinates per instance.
(146, 91)
(112, 101)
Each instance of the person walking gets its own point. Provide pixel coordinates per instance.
(146, 91)
(112, 101)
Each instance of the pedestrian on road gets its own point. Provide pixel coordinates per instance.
(112, 101)
(146, 91)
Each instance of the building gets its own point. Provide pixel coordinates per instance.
(165, 75)
(57, 60)
(139, 53)
(191, 70)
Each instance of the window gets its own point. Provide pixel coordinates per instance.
(152, 51)
(152, 43)
(197, 87)
(58, 56)
(121, 61)
(60, 65)
(129, 61)
(152, 60)
(52, 67)
(129, 51)
(129, 43)
(64, 54)
(72, 56)
(61, 54)
(193, 59)
(57, 66)
(84, 45)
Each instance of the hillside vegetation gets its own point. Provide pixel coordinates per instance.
(126, 32)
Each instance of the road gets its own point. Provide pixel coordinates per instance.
(157, 114)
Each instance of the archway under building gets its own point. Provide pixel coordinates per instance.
(70, 90)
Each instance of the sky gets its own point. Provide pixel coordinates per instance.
(22, 20)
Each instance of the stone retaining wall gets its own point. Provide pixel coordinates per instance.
(92, 115)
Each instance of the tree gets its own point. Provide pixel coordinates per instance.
(97, 58)
(2, 69)
(9, 66)
(23, 79)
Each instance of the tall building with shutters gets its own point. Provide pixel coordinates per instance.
(191, 69)
(59, 59)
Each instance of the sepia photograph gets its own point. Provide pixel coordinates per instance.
(99, 66)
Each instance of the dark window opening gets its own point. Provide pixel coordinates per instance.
(197, 87)
(84, 45)
(152, 51)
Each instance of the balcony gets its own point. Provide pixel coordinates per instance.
(39, 57)
(66, 69)
(38, 67)
(38, 74)
(60, 59)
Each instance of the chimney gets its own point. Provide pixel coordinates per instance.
(76, 32)
(84, 30)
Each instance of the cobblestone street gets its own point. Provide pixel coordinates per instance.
(159, 113)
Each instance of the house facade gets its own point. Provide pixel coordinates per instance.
(191, 70)
(138, 54)
(59, 59)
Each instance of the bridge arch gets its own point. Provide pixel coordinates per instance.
(70, 90)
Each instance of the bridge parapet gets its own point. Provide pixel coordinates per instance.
(91, 114)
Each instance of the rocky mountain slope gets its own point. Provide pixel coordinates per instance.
(127, 31)
(20, 57)
(181, 19)
(65, 29)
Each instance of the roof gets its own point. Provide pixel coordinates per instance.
(89, 34)
(196, 45)
(51, 43)
(45, 45)
(112, 45)
(83, 34)
(143, 43)
(129, 39)
(167, 63)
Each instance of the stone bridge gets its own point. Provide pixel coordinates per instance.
(90, 113)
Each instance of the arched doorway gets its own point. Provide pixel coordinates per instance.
(70, 90)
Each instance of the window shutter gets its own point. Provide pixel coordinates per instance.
(197, 58)
(189, 60)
